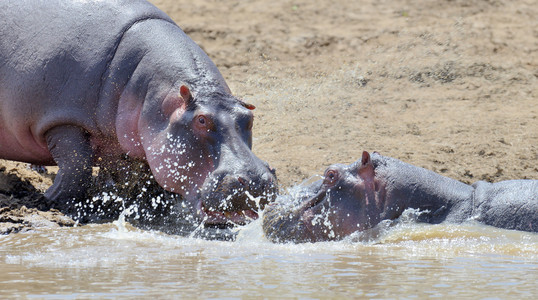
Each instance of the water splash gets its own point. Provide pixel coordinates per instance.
(253, 231)
(120, 223)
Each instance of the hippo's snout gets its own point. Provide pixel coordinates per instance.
(237, 196)
(237, 192)
(282, 222)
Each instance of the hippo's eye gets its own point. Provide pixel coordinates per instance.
(203, 122)
(331, 176)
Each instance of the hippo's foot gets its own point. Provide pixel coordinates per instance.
(72, 152)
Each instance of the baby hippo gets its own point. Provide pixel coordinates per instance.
(358, 196)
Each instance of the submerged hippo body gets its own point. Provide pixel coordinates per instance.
(357, 197)
(87, 81)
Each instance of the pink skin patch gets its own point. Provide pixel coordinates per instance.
(176, 170)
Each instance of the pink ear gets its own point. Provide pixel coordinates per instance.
(185, 94)
(366, 170)
(367, 174)
(365, 157)
(248, 106)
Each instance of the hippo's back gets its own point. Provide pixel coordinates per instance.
(511, 204)
(53, 55)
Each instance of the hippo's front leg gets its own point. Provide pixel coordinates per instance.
(71, 149)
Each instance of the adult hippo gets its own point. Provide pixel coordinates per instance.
(85, 82)
(358, 196)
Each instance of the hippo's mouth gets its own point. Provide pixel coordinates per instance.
(227, 207)
(314, 201)
(289, 219)
(215, 218)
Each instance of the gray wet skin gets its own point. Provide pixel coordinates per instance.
(358, 196)
(88, 81)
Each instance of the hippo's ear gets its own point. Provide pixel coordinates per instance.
(247, 105)
(186, 95)
(371, 185)
(366, 169)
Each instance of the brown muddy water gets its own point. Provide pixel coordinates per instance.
(407, 260)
